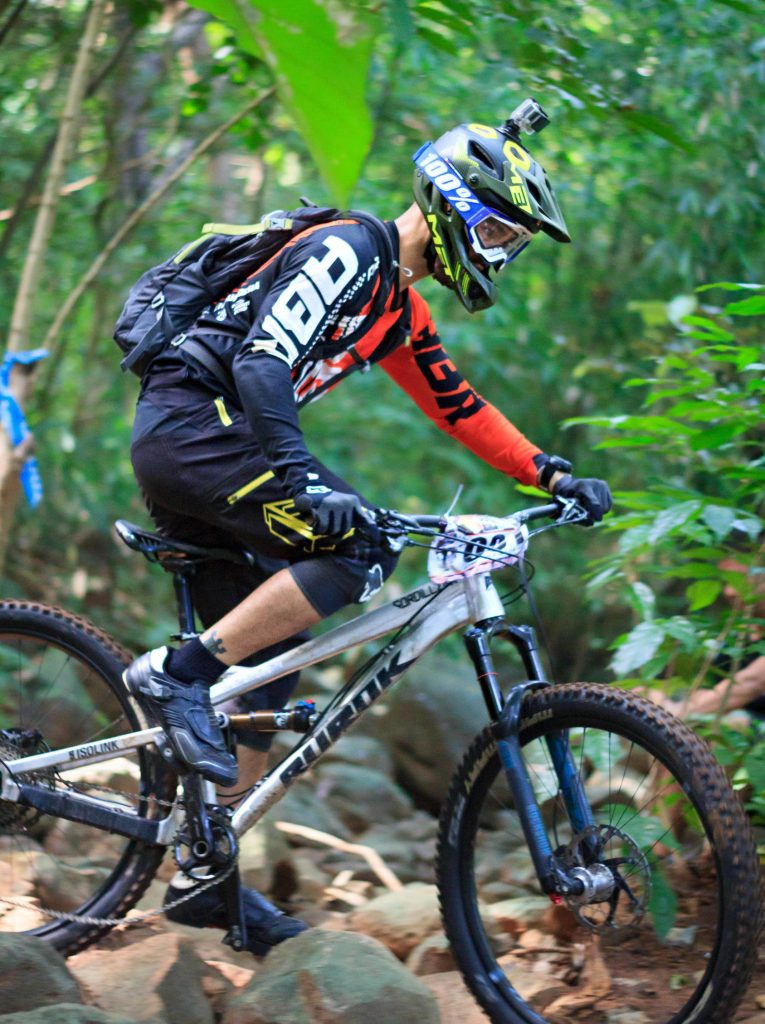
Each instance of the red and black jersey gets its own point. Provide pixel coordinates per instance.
(309, 317)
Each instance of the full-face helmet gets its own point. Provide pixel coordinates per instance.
(484, 198)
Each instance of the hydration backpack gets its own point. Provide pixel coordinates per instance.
(167, 300)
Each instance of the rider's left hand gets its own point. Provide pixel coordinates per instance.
(592, 494)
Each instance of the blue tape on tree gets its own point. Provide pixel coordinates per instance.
(14, 421)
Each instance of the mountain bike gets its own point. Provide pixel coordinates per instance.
(586, 795)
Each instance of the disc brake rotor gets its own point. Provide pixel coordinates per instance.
(16, 818)
(616, 877)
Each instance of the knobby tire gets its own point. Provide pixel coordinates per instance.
(694, 796)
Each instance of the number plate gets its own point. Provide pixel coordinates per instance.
(474, 544)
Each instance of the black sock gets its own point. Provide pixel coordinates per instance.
(193, 663)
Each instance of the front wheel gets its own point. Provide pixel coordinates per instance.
(670, 928)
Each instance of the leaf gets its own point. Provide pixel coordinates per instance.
(300, 42)
(682, 630)
(645, 600)
(750, 525)
(638, 647)
(728, 286)
(662, 906)
(719, 519)
(711, 329)
(740, 5)
(754, 763)
(641, 121)
(671, 518)
(702, 593)
(717, 436)
(753, 306)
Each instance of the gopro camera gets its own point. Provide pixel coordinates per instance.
(527, 117)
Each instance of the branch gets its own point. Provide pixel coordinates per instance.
(68, 124)
(25, 199)
(140, 212)
(371, 856)
(12, 17)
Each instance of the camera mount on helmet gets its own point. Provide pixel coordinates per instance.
(527, 117)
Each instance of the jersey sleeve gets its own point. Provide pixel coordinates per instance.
(422, 368)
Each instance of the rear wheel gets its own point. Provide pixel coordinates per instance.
(60, 685)
(671, 924)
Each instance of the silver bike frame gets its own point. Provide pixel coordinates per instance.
(470, 600)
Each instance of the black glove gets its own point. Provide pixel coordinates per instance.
(332, 513)
(593, 495)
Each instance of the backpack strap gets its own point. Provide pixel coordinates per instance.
(387, 257)
(207, 358)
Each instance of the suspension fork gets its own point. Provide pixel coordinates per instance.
(505, 717)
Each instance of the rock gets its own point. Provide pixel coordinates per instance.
(66, 1013)
(455, 1002)
(361, 796)
(408, 847)
(159, 979)
(312, 881)
(518, 914)
(433, 956)
(301, 806)
(332, 976)
(681, 936)
(537, 987)
(34, 974)
(400, 920)
(627, 1017)
(237, 976)
(364, 751)
(432, 716)
(265, 861)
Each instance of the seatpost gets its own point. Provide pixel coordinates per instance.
(185, 606)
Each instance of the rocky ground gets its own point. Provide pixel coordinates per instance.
(351, 852)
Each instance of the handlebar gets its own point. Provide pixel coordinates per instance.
(392, 522)
(389, 520)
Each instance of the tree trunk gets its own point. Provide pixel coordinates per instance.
(31, 275)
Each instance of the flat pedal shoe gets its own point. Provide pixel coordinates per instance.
(186, 714)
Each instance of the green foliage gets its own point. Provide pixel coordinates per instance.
(629, 89)
(301, 41)
(742, 753)
(699, 445)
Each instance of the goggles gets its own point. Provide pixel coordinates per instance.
(495, 238)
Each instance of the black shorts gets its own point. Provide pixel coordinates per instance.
(205, 481)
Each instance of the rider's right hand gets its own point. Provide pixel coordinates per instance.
(592, 494)
(331, 513)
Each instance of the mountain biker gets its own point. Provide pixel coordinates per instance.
(229, 466)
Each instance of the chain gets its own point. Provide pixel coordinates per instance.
(128, 922)
(84, 787)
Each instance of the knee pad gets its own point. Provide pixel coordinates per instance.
(351, 574)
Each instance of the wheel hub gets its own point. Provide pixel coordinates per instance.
(615, 875)
(14, 743)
